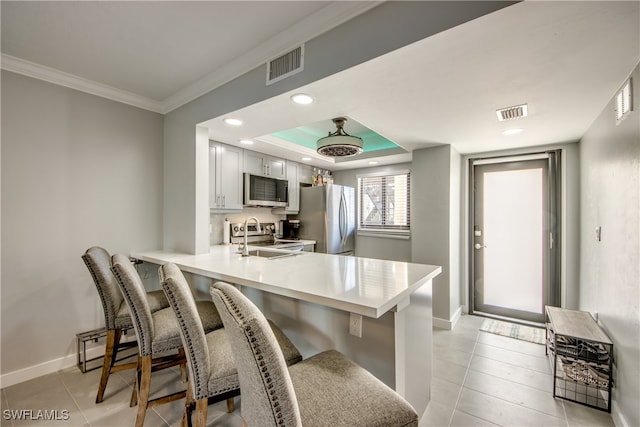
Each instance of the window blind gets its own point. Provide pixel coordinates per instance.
(383, 202)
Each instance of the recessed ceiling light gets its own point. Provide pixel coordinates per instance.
(373, 162)
(246, 142)
(513, 131)
(233, 122)
(306, 159)
(302, 98)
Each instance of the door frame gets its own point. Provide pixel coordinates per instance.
(555, 201)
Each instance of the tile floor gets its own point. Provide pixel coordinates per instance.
(480, 379)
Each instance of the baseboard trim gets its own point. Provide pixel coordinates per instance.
(616, 415)
(450, 323)
(49, 367)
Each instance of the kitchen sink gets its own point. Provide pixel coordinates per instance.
(264, 253)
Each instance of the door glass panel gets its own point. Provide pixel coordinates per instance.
(513, 239)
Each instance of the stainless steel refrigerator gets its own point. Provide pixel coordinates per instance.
(328, 216)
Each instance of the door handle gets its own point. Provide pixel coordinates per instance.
(343, 219)
(340, 226)
(479, 246)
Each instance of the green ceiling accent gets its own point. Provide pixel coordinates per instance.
(308, 135)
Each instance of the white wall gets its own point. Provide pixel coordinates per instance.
(376, 247)
(610, 269)
(77, 171)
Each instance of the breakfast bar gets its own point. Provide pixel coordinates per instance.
(377, 312)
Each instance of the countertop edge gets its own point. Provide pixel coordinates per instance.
(160, 257)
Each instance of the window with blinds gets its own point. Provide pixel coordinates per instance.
(383, 202)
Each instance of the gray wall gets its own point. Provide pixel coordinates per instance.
(436, 233)
(186, 220)
(382, 247)
(152, 175)
(456, 290)
(610, 269)
(77, 171)
(435, 209)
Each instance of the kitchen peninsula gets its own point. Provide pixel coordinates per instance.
(377, 312)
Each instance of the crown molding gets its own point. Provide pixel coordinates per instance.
(312, 26)
(52, 75)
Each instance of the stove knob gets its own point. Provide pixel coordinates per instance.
(235, 229)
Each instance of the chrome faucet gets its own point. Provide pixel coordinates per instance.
(245, 248)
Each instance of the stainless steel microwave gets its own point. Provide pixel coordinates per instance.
(265, 191)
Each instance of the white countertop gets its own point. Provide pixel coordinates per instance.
(365, 286)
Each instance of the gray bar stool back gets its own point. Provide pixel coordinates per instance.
(325, 390)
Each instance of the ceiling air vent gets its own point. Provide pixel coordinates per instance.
(285, 65)
(516, 112)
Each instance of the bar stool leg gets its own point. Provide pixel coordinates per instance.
(143, 392)
(111, 349)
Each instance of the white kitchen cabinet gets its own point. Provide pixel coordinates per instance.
(264, 165)
(225, 177)
(294, 188)
(294, 191)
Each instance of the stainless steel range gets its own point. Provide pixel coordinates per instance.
(265, 237)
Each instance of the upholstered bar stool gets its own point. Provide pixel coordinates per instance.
(116, 313)
(212, 372)
(325, 390)
(157, 334)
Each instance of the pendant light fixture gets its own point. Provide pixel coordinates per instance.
(339, 143)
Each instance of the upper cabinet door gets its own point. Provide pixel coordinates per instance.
(294, 191)
(294, 188)
(254, 163)
(263, 165)
(277, 168)
(230, 178)
(225, 177)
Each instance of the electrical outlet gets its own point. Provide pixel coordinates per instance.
(355, 325)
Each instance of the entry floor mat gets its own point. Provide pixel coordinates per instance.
(513, 330)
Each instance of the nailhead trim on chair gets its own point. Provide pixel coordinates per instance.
(200, 373)
(144, 347)
(275, 404)
(109, 320)
(200, 390)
